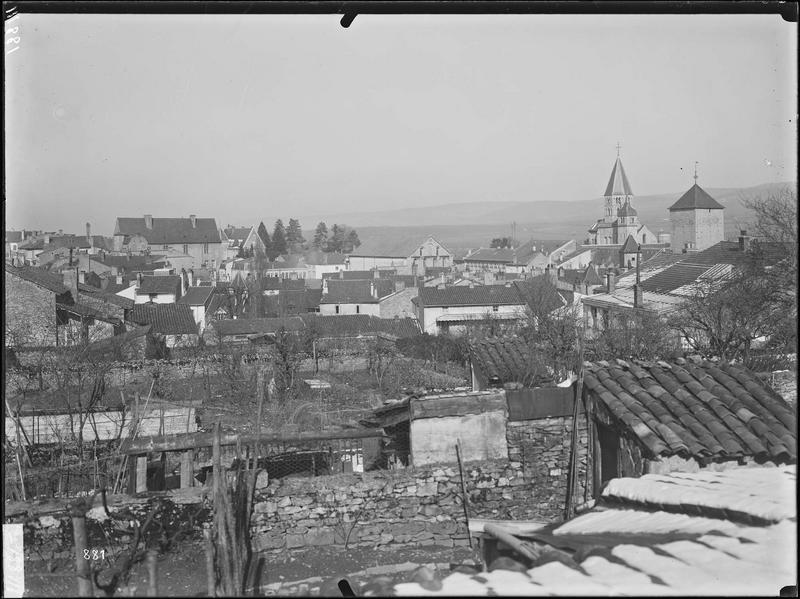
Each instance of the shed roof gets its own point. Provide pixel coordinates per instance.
(159, 284)
(38, 276)
(695, 408)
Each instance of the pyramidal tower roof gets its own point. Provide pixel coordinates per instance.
(618, 184)
(696, 198)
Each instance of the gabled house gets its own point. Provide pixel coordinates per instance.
(322, 263)
(450, 308)
(158, 289)
(198, 238)
(410, 257)
(241, 240)
(198, 299)
(530, 257)
(354, 296)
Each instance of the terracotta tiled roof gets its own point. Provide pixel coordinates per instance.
(170, 230)
(196, 296)
(486, 295)
(166, 319)
(159, 284)
(353, 325)
(695, 408)
(696, 198)
(618, 183)
(256, 326)
(40, 277)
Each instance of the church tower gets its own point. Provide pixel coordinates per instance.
(697, 220)
(618, 191)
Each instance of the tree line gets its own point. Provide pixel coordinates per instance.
(289, 239)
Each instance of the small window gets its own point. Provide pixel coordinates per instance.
(337, 309)
(495, 308)
(185, 248)
(358, 309)
(165, 246)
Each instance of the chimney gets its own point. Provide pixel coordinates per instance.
(191, 277)
(119, 279)
(184, 281)
(138, 279)
(376, 273)
(46, 239)
(744, 241)
(82, 277)
(610, 281)
(89, 233)
(193, 218)
(373, 290)
(148, 221)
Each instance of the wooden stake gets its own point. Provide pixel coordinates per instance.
(210, 573)
(152, 573)
(463, 491)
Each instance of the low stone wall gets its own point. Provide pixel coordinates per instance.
(543, 446)
(401, 507)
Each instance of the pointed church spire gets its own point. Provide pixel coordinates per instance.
(618, 184)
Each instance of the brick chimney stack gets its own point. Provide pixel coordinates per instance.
(610, 281)
(193, 218)
(148, 221)
(89, 233)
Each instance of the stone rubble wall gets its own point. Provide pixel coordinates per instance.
(415, 507)
(543, 448)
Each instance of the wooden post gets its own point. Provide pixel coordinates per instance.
(187, 469)
(141, 474)
(152, 573)
(81, 549)
(210, 573)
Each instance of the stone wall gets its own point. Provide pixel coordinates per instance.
(30, 313)
(415, 506)
(542, 446)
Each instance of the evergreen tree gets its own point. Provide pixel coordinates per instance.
(336, 240)
(320, 236)
(352, 240)
(279, 238)
(264, 236)
(294, 235)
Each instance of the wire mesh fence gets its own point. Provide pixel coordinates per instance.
(67, 480)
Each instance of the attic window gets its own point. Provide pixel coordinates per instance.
(495, 308)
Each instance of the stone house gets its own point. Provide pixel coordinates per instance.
(410, 258)
(158, 289)
(195, 237)
(237, 239)
(698, 221)
(13, 239)
(198, 299)
(455, 308)
(322, 263)
(354, 296)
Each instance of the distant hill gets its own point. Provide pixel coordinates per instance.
(469, 225)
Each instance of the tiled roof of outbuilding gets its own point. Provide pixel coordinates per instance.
(166, 319)
(196, 296)
(255, 326)
(695, 408)
(40, 277)
(509, 360)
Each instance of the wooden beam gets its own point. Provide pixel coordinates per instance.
(184, 441)
(187, 469)
(457, 405)
(141, 474)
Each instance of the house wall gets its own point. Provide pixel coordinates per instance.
(317, 270)
(581, 260)
(398, 304)
(30, 313)
(181, 340)
(373, 309)
(543, 447)
(370, 262)
(481, 436)
(430, 314)
(199, 315)
(703, 228)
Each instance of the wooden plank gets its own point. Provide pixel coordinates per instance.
(456, 405)
(141, 474)
(187, 469)
(180, 442)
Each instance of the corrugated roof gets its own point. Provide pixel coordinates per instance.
(159, 284)
(170, 230)
(618, 184)
(166, 319)
(695, 408)
(40, 277)
(696, 198)
(196, 296)
(486, 295)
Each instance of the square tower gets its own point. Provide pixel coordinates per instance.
(698, 221)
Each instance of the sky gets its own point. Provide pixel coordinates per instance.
(257, 117)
